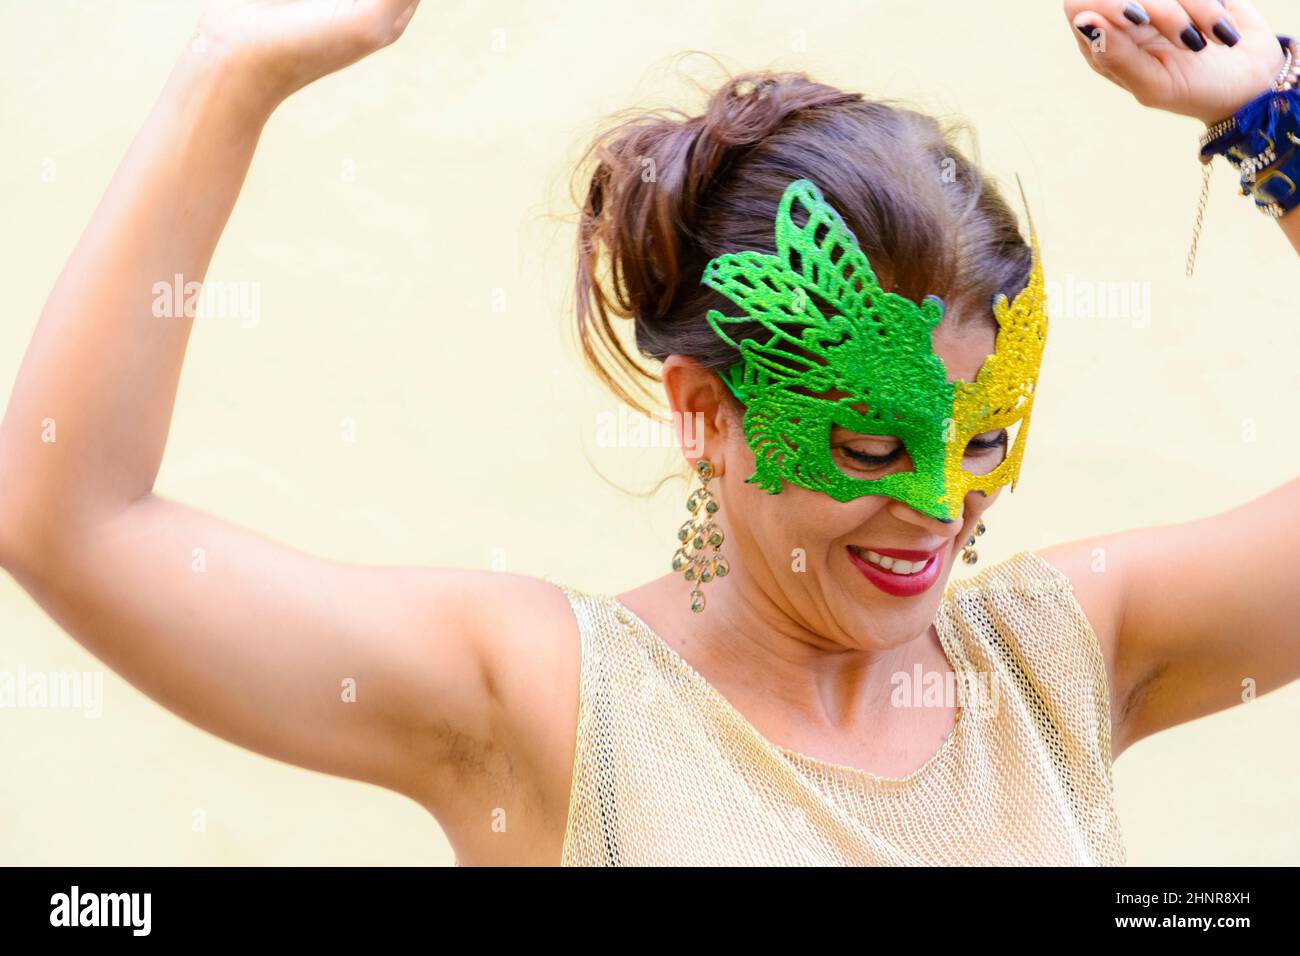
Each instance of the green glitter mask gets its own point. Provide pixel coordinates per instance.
(829, 327)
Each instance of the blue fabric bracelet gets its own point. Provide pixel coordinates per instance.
(1262, 140)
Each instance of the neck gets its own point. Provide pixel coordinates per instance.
(755, 642)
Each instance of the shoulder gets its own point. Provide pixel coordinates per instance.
(514, 624)
(1025, 572)
(528, 635)
(1095, 585)
(1097, 589)
(1030, 597)
(1046, 602)
(517, 753)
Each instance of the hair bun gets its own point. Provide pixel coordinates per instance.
(653, 171)
(743, 112)
(670, 191)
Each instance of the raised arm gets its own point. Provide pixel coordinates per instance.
(388, 675)
(1193, 617)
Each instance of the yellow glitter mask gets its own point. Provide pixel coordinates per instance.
(826, 326)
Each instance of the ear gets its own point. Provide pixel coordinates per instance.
(702, 409)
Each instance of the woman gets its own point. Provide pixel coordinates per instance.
(798, 706)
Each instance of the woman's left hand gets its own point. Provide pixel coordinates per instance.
(1201, 58)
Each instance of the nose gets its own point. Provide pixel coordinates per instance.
(942, 527)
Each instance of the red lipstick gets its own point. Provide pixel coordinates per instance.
(899, 585)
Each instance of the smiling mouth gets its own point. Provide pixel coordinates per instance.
(898, 566)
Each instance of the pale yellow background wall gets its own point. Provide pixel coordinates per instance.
(412, 286)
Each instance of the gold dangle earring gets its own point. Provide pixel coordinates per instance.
(698, 535)
(968, 553)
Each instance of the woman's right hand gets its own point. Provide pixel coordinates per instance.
(280, 46)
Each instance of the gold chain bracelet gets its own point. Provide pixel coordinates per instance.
(1287, 78)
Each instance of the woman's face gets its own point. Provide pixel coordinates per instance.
(818, 561)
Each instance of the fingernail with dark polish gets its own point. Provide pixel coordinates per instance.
(1192, 38)
(1089, 31)
(1135, 14)
(1224, 31)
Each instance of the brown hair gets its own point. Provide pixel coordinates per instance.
(670, 191)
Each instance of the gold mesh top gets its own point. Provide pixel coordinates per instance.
(668, 772)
